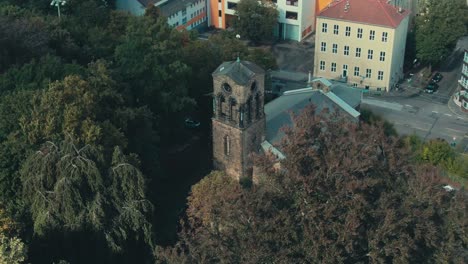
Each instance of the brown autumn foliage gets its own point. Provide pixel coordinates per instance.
(345, 193)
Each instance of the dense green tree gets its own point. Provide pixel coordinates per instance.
(438, 29)
(256, 20)
(21, 39)
(150, 63)
(345, 193)
(69, 188)
(12, 249)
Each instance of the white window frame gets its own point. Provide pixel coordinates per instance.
(333, 66)
(380, 76)
(382, 56)
(356, 71)
(384, 36)
(335, 48)
(358, 52)
(322, 65)
(348, 31)
(370, 54)
(346, 50)
(368, 73)
(324, 27)
(359, 33)
(323, 47)
(336, 29)
(372, 35)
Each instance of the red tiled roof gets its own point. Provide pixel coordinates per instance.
(374, 12)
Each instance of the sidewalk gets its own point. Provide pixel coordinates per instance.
(403, 92)
(455, 109)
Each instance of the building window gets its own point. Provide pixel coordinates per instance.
(359, 33)
(184, 12)
(322, 65)
(291, 15)
(323, 47)
(227, 146)
(382, 56)
(358, 52)
(346, 50)
(356, 71)
(380, 76)
(324, 27)
(372, 35)
(355, 84)
(333, 67)
(368, 73)
(384, 36)
(220, 14)
(335, 29)
(231, 5)
(345, 70)
(348, 31)
(370, 54)
(335, 48)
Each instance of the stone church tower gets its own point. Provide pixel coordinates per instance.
(238, 116)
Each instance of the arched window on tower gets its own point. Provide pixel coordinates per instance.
(232, 109)
(227, 145)
(221, 105)
(257, 106)
(248, 110)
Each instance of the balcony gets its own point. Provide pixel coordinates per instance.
(463, 84)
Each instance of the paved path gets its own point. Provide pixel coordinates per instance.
(421, 117)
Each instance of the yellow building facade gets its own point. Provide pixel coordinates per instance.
(362, 42)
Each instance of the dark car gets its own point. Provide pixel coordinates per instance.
(437, 77)
(431, 87)
(190, 123)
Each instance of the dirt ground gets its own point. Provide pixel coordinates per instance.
(295, 56)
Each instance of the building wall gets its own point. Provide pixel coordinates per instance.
(293, 29)
(363, 62)
(398, 52)
(189, 17)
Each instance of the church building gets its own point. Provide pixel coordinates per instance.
(242, 124)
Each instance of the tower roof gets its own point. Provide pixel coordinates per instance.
(373, 12)
(239, 71)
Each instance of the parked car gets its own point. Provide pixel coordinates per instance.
(431, 87)
(190, 123)
(437, 77)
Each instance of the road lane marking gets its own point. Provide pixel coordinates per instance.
(455, 130)
(448, 114)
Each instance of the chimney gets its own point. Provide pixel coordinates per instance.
(346, 7)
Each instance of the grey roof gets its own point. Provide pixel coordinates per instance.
(278, 111)
(170, 7)
(240, 71)
(352, 96)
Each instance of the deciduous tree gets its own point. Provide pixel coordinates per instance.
(255, 20)
(345, 193)
(438, 29)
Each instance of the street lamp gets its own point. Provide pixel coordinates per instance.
(58, 3)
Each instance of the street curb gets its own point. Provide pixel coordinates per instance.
(451, 110)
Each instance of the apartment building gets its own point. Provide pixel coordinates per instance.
(461, 97)
(296, 17)
(361, 42)
(182, 14)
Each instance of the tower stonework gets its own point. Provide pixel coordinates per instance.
(238, 123)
